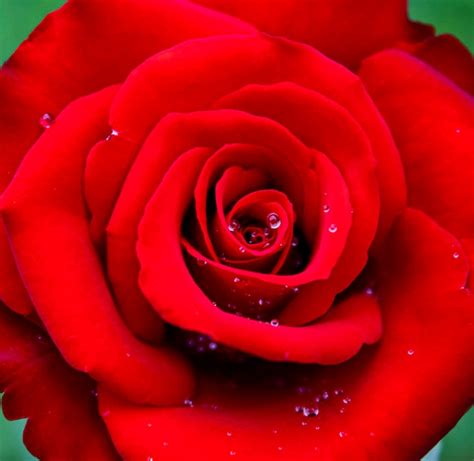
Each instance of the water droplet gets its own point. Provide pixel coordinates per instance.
(342, 434)
(236, 280)
(304, 423)
(165, 444)
(46, 120)
(113, 133)
(317, 428)
(294, 242)
(456, 255)
(274, 431)
(260, 302)
(369, 291)
(234, 225)
(346, 400)
(201, 262)
(232, 452)
(274, 323)
(342, 410)
(229, 434)
(295, 289)
(280, 448)
(372, 434)
(273, 220)
(149, 458)
(242, 249)
(338, 391)
(307, 411)
(128, 355)
(411, 352)
(188, 403)
(212, 346)
(457, 130)
(325, 395)
(332, 228)
(326, 208)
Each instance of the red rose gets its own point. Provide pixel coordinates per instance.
(207, 219)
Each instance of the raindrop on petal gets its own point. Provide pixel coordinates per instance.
(46, 120)
(273, 220)
(332, 228)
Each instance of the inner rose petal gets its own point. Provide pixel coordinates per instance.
(163, 267)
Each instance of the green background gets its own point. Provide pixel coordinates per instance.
(19, 17)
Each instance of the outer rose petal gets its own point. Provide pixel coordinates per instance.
(345, 30)
(389, 414)
(29, 365)
(433, 124)
(449, 56)
(80, 48)
(44, 214)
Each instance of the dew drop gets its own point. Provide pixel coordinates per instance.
(325, 395)
(113, 133)
(234, 225)
(149, 425)
(273, 220)
(201, 262)
(149, 458)
(346, 400)
(212, 346)
(342, 434)
(369, 291)
(294, 242)
(188, 403)
(274, 323)
(165, 444)
(275, 431)
(457, 130)
(456, 255)
(295, 289)
(332, 228)
(46, 120)
(304, 423)
(229, 434)
(411, 352)
(280, 448)
(326, 208)
(260, 302)
(242, 249)
(232, 452)
(236, 280)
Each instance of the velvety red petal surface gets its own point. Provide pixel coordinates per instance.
(46, 221)
(345, 30)
(377, 406)
(432, 121)
(60, 404)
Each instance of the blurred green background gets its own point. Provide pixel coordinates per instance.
(19, 17)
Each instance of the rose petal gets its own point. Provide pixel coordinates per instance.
(449, 56)
(433, 124)
(45, 218)
(344, 30)
(29, 364)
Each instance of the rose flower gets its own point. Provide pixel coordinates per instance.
(236, 229)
